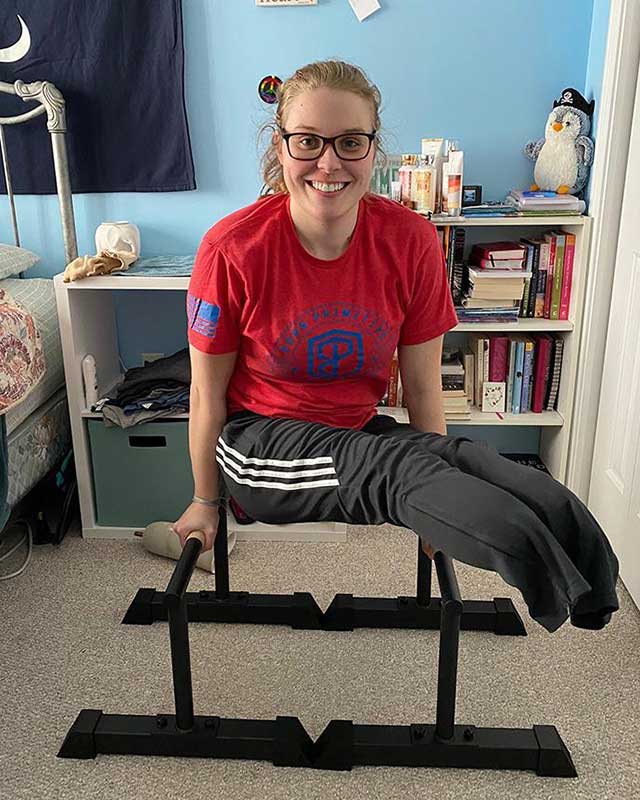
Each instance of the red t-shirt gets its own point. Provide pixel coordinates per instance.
(315, 338)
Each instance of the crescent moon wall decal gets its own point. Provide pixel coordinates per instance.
(20, 49)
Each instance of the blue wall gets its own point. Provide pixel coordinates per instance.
(482, 71)
(595, 65)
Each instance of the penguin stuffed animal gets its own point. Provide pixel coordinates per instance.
(563, 157)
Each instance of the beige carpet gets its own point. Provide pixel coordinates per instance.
(62, 648)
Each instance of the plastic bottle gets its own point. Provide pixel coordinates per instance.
(455, 167)
(424, 183)
(409, 161)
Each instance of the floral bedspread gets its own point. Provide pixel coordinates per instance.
(22, 363)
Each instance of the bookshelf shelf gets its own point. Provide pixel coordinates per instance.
(521, 326)
(546, 418)
(124, 282)
(519, 222)
(401, 414)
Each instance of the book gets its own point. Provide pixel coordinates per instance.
(492, 207)
(545, 203)
(479, 302)
(554, 212)
(452, 383)
(479, 345)
(501, 296)
(446, 236)
(498, 347)
(504, 211)
(527, 460)
(541, 371)
(522, 306)
(551, 239)
(527, 283)
(469, 372)
(517, 377)
(450, 251)
(457, 269)
(556, 370)
(534, 251)
(511, 373)
(567, 276)
(478, 274)
(392, 391)
(450, 363)
(543, 268)
(535, 194)
(502, 263)
(527, 368)
(558, 269)
(485, 360)
(496, 251)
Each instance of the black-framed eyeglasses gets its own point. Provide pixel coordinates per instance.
(310, 146)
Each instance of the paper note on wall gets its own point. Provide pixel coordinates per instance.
(364, 8)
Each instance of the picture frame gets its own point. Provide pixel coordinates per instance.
(471, 195)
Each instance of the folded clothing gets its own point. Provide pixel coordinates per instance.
(171, 371)
(160, 388)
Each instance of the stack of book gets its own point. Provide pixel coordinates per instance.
(454, 389)
(543, 204)
(528, 366)
(492, 208)
(394, 395)
(547, 292)
(452, 238)
(455, 398)
(495, 282)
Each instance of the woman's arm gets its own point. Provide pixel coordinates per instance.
(420, 372)
(210, 375)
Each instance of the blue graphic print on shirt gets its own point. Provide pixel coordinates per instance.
(327, 352)
(334, 341)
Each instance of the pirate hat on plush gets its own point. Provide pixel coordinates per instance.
(573, 98)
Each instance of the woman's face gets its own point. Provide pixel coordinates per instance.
(328, 187)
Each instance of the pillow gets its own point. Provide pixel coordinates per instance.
(14, 260)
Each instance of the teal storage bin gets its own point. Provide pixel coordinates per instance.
(141, 474)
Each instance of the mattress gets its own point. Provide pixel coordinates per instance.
(37, 444)
(38, 297)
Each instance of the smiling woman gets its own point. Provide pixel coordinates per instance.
(312, 289)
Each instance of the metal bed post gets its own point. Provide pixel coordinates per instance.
(50, 102)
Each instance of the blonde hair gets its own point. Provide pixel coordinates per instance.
(331, 74)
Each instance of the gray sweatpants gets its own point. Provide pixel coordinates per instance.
(460, 496)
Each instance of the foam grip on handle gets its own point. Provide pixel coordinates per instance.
(196, 535)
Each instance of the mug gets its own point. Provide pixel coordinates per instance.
(121, 237)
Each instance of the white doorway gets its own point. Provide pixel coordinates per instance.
(614, 492)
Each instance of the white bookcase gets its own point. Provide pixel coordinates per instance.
(87, 316)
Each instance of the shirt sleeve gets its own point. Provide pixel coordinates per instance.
(431, 311)
(214, 302)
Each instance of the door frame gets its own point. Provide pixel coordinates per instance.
(622, 57)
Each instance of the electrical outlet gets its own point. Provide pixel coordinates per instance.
(147, 358)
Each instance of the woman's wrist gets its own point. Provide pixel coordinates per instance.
(218, 501)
